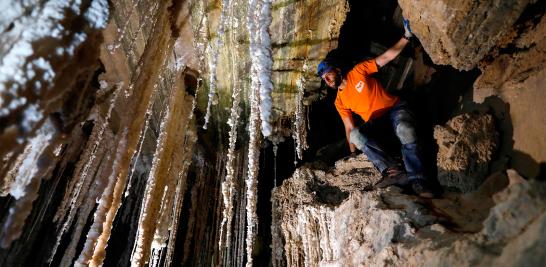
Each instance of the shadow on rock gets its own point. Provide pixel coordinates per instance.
(328, 194)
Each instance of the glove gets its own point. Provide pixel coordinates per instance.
(407, 30)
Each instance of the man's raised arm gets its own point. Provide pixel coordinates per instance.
(395, 50)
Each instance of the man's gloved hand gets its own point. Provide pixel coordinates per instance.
(407, 30)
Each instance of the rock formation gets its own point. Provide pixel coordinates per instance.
(461, 33)
(336, 218)
(466, 146)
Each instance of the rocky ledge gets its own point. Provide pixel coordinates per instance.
(337, 218)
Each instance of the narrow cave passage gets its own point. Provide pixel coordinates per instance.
(369, 28)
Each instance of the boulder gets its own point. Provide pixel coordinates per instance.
(466, 146)
(461, 33)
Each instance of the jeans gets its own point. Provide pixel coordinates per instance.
(403, 123)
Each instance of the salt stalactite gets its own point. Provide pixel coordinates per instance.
(259, 20)
(258, 73)
(27, 183)
(300, 131)
(253, 168)
(276, 244)
(213, 61)
(240, 241)
(137, 255)
(171, 191)
(228, 186)
(90, 192)
(85, 170)
(200, 47)
(156, 212)
(161, 236)
(100, 216)
(190, 138)
(141, 141)
(275, 150)
(194, 101)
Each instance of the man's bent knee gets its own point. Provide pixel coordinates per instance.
(406, 133)
(357, 138)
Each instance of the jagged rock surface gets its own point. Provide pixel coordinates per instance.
(461, 33)
(335, 219)
(513, 85)
(466, 146)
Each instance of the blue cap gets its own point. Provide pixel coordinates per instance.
(323, 67)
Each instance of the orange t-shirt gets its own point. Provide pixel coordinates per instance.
(363, 94)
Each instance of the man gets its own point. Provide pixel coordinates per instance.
(362, 94)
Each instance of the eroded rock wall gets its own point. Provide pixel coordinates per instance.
(516, 77)
(461, 33)
(101, 172)
(505, 40)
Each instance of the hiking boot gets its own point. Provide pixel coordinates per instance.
(420, 188)
(393, 176)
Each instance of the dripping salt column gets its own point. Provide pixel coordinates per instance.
(213, 61)
(160, 179)
(300, 132)
(252, 178)
(136, 104)
(264, 64)
(228, 186)
(253, 147)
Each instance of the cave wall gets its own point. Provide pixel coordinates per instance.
(100, 175)
(516, 76)
(504, 39)
(298, 42)
(461, 33)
